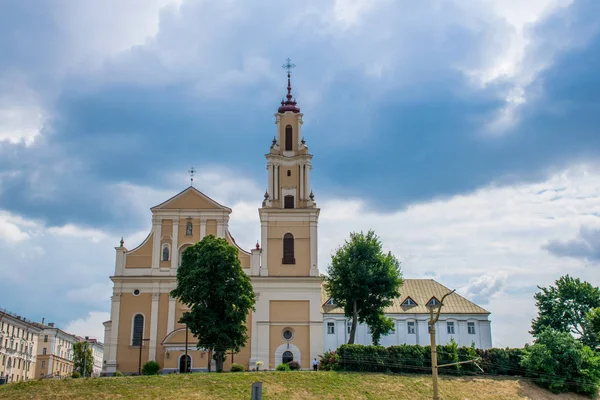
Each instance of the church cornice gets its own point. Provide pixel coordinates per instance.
(281, 159)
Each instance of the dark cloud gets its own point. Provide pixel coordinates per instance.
(413, 133)
(585, 245)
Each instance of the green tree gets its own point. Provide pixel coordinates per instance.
(211, 282)
(591, 336)
(561, 363)
(82, 355)
(564, 307)
(363, 281)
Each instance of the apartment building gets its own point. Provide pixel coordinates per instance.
(18, 347)
(54, 352)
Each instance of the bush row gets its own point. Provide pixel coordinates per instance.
(417, 359)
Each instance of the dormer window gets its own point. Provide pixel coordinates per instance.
(433, 302)
(409, 302)
(330, 302)
(288, 138)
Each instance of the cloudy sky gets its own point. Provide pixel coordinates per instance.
(465, 132)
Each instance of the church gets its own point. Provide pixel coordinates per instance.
(294, 319)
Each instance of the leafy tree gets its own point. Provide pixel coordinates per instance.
(564, 307)
(82, 355)
(363, 281)
(591, 336)
(561, 363)
(211, 282)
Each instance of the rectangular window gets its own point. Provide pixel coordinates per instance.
(330, 328)
(288, 202)
(450, 327)
(44, 351)
(471, 327)
(349, 327)
(411, 327)
(45, 338)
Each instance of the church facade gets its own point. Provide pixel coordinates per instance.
(288, 323)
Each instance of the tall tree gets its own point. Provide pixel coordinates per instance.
(211, 282)
(364, 281)
(591, 336)
(564, 307)
(82, 356)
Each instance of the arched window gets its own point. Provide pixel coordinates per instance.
(138, 330)
(287, 357)
(288, 201)
(188, 228)
(289, 172)
(165, 253)
(288, 138)
(288, 249)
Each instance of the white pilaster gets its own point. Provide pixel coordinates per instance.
(156, 232)
(202, 228)
(111, 363)
(153, 326)
(255, 262)
(307, 184)
(264, 239)
(270, 186)
(175, 244)
(120, 260)
(301, 191)
(314, 263)
(221, 228)
(276, 189)
(171, 315)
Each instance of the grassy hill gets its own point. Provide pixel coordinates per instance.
(279, 385)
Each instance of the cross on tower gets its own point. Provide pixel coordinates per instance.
(192, 171)
(288, 66)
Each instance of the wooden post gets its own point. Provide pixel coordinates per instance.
(434, 366)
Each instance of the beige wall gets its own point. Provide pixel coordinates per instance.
(163, 313)
(288, 119)
(189, 201)
(301, 232)
(127, 355)
(211, 227)
(195, 237)
(290, 314)
(140, 257)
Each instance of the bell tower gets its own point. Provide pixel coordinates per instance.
(289, 214)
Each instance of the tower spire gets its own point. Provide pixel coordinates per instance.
(290, 103)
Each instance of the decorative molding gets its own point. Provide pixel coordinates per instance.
(116, 297)
(155, 296)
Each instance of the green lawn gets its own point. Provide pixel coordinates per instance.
(276, 385)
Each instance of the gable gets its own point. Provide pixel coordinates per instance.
(190, 199)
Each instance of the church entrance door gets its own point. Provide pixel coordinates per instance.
(182, 366)
(287, 357)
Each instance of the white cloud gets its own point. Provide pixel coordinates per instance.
(90, 325)
(482, 288)
(94, 235)
(90, 294)
(13, 228)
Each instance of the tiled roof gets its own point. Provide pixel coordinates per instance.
(420, 291)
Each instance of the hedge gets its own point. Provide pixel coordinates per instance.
(417, 359)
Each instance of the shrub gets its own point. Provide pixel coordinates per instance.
(150, 368)
(465, 354)
(75, 375)
(354, 357)
(237, 368)
(118, 373)
(330, 361)
(406, 358)
(283, 367)
(294, 365)
(561, 363)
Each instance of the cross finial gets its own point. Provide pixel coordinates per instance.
(288, 66)
(192, 171)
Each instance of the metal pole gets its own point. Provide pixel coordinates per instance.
(186, 349)
(140, 359)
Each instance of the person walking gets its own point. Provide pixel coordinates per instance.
(315, 365)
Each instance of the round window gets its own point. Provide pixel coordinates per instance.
(136, 292)
(288, 334)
